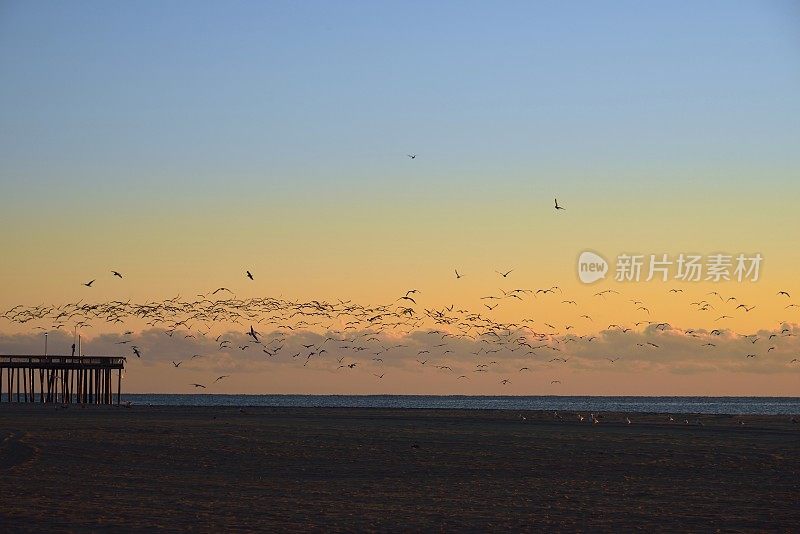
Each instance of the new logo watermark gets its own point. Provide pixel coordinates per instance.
(591, 267)
(683, 267)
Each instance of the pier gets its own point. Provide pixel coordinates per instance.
(61, 379)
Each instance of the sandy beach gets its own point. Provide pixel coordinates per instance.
(105, 468)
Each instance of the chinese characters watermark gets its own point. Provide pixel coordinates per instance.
(663, 267)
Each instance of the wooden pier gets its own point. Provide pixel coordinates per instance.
(62, 379)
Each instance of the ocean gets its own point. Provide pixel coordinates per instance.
(705, 405)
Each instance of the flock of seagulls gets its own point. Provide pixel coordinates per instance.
(597, 418)
(348, 337)
(343, 332)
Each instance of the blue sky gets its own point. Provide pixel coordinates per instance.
(290, 98)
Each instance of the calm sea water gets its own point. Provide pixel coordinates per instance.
(707, 405)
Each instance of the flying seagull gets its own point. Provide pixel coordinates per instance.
(557, 206)
(89, 284)
(249, 275)
(115, 273)
(412, 156)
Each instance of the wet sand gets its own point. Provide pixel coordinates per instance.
(106, 468)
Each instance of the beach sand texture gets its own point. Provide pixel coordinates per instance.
(300, 469)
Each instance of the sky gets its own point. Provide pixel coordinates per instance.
(184, 143)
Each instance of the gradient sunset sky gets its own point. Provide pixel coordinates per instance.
(182, 143)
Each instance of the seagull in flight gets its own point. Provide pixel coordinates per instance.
(115, 273)
(457, 275)
(249, 275)
(252, 333)
(89, 283)
(198, 385)
(412, 156)
(557, 206)
(177, 364)
(505, 274)
(220, 378)
(784, 293)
